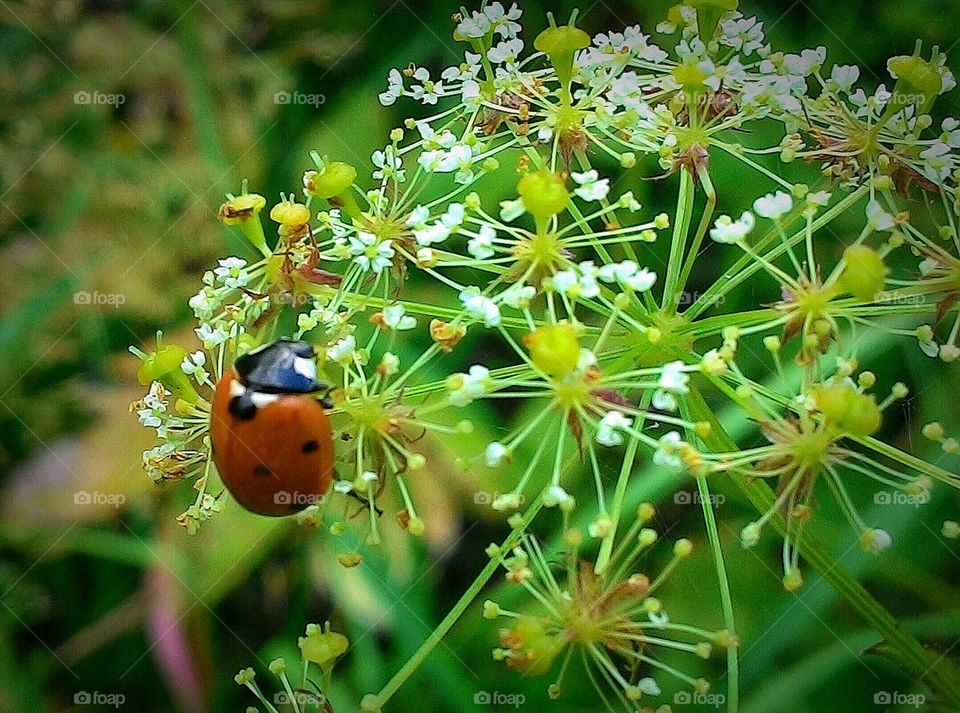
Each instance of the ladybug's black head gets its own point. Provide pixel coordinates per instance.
(285, 366)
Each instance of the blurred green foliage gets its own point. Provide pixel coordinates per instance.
(120, 199)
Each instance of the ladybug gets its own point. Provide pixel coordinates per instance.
(271, 438)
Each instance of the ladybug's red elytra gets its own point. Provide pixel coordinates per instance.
(272, 441)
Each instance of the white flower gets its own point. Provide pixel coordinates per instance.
(480, 307)
(664, 401)
(590, 186)
(481, 246)
(726, 230)
(666, 453)
(609, 428)
(506, 52)
(212, 336)
(844, 76)
(203, 304)
(475, 26)
(627, 274)
(674, 378)
(395, 317)
(495, 454)
(343, 350)
(430, 234)
(453, 217)
(232, 272)
(556, 496)
(503, 22)
(388, 164)
(464, 388)
(394, 88)
(511, 210)
(878, 218)
(427, 91)
(369, 253)
(518, 296)
(193, 364)
(578, 281)
(418, 217)
(805, 63)
(773, 205)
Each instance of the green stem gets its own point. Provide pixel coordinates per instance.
(935, 671)
(375, 702)
(626, 468)
(702, 228)
(680, 229)
(726, 600)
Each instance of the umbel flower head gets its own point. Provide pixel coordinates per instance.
(613, 623)
(818, 439)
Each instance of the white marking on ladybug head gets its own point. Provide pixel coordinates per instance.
(261, 399)
(236, 388)
(305, 367)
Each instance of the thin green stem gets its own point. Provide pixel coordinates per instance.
(375, 702)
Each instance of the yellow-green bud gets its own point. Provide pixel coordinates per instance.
(322, 646)
(864, 274)
(243, 212)
(163, 366)
(847, 410)
(918, 81)
(709, 14)
(554, 348)
(544, 194)
(792, 580)
(331, 180)
(560, 44)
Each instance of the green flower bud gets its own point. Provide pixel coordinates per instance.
(560, 44)
(163, 365)
(243, 212)
(322, 646)
(330, 180)
(918, 82)
(554, 348)
(709, 14)
(847, 410)
(544, 194)
(864, 274)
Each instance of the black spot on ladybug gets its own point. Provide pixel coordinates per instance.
(310, 446)
(242, 406)
(262, 470)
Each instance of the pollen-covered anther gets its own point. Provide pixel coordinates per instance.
(446, 335)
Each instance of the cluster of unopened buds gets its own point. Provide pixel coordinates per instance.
(585, 297)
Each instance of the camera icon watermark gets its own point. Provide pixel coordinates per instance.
(300, 700)
(898, 497)
(299, 99)
(695, 698)
(98, 698)
(498, 698)
(296, 498)
(99, 299)
(898, 698)
(94, 497)
(95, 98)
(685, 497)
